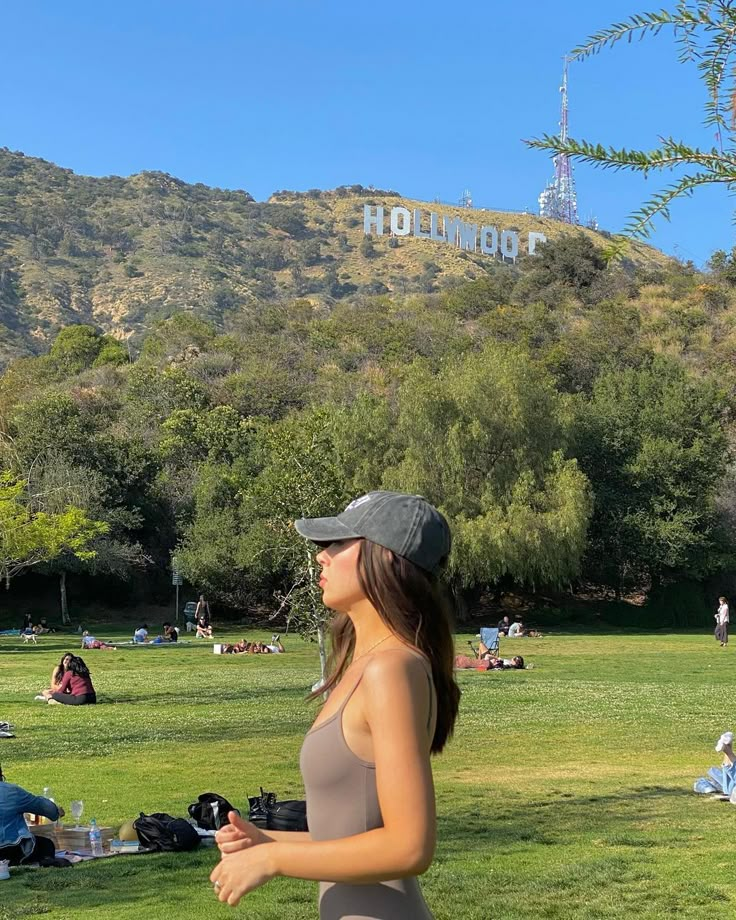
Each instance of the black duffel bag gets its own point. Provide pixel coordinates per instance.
(269, 814)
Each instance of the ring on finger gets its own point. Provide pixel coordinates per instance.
(217, 886)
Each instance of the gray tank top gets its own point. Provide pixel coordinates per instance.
(342, 800)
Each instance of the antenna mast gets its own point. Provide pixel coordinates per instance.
(559, 200)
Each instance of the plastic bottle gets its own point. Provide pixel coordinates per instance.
(47, 795)
(95, 838)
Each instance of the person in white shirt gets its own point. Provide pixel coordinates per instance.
(516, 630)
(722, 620)
(141, 634)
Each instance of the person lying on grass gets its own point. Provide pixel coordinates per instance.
(17, 844)
(489, 662)
(90, 642)
(76, 686)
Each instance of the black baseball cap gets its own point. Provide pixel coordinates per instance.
(406, 524)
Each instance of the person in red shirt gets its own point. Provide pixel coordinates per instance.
(76, 686)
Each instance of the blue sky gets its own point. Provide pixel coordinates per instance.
(424, 97)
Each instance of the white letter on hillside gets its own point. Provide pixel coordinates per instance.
(535, 238)
(405, 215)
(509, 244)
(468, 236)
(433, 230)
(451, 228)
(488, 248)
(372, 220)
(418, 232)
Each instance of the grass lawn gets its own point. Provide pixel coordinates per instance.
(564, 794)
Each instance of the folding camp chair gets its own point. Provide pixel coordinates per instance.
(489, 637)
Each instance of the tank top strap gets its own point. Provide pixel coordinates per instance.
(350, 694)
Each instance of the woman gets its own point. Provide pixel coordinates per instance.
(17, 843)
(57, 676)
(76, 686)
(393, 701)
(722, 620)
(202, 611)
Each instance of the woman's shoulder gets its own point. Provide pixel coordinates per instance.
(398, 663)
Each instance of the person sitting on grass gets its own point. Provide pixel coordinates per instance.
(76, 686)
(90, 642)
(204, 629)
(171, 633)
(517, 629)
(141, 634)
(504, 625)
(42, 627)
(57, 675)
(17, 843)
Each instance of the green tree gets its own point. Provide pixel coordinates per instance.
(705, 31)
(653, 444)
(484, 439)
(29, 536)
(76, 348)
(242, 534)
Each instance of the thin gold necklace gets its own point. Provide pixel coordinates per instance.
(375, 645)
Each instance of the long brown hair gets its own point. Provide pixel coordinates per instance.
(412, 605)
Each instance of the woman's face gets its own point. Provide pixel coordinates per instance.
(339, 579)
(66, 661)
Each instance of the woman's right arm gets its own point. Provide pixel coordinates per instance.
(240, 834)
(39, 805)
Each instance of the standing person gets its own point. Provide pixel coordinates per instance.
(76, 686)
(722, 620)
(202, 611)
(17, 843)
(392, 702)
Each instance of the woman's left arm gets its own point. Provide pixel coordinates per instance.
(396, 702)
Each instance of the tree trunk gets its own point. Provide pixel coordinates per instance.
(65, 619)
(322, 651)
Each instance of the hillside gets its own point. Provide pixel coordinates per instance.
(122, 253)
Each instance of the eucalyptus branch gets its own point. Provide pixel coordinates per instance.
(641, 223)
(638, 25)
(669, 156)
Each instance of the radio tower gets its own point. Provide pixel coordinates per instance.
(466, 200)
(558, 200)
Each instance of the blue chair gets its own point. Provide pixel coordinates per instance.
(489, 638)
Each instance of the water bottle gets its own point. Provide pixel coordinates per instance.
(47, 795)
(95, 838)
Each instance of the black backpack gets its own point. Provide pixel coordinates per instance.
(164, 833)
(210, 811)
(268, 814)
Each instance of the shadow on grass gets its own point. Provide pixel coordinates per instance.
(514, 820)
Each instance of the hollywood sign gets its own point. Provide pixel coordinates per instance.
(450, 230)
